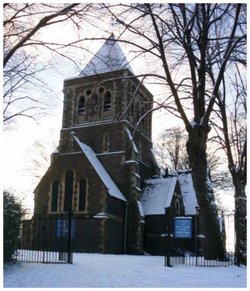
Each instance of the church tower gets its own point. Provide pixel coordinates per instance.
(104, 155)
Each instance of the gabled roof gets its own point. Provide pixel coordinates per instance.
(188, 192)
(100, 170)
(110, 57)
(157, 195)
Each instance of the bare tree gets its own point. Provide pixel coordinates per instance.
(193, 46)
(26, 43)
(191, 40)
(232, 137)
(170, 150)
(38, 157)
(171, 153)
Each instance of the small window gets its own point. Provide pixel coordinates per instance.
(81, 105)
(88, 92)
(107, 101)
(82, 194)
(54, 196)
(101, 90)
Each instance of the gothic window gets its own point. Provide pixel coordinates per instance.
(68, 190)
(107, 101)
(82, 194)
(81, 105)
(54, 196)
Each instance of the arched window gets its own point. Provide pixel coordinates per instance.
(82, 194)
(68, 190)
(81, 105)
(107, 101)
(54, 196)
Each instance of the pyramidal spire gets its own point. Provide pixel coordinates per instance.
(109, 58)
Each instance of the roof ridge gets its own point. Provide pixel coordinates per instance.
(108, 58)
(113, 190)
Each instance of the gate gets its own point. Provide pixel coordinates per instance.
(186, 245)
(46, 239)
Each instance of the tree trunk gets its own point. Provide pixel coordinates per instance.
(240, 222)
(209, 223)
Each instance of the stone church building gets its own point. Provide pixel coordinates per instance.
(104, 161)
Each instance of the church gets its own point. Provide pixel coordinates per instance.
(104, 169)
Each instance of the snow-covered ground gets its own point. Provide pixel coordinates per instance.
(96, 270)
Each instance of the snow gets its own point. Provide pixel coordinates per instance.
(101, 215)
(89, 124)
(97, 270)
(100, 170)
(193, 123)
(188, 192)
(157, 195)
(141, 210)
(110, 153)
(131, 140)
(110, 57)
(131, 162)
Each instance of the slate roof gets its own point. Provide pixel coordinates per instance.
(110, 57)
(157, 195)
(100, 170)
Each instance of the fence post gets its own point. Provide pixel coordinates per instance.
(196, 235)
(69, 237)
(167, 230)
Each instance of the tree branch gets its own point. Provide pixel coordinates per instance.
(42, 23)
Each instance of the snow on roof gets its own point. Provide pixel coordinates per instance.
(188, 192)
(110, 57)
(100, 170)
(157, 195)
(140, 207)
(131, 140)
